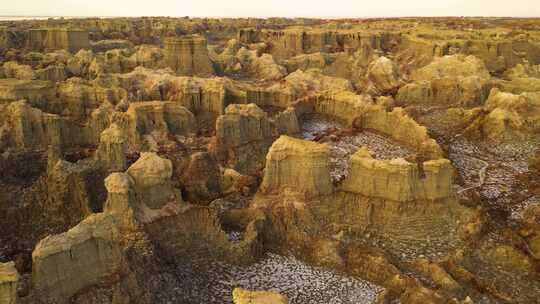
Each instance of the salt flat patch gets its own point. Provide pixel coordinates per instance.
(301, 283)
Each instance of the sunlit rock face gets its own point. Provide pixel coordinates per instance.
(188, 56)
(86, 254)
(398, 179)
(59, 38)
(282, 160)
(297, 166)
(241, 296)
(243, 136)
(9, 278)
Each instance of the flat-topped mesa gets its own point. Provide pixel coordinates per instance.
(397, 179)
(243, 136)
(85, 255)
(9, 279)
(294, 41)
(188, 56)
(298, 167)
(71, 40)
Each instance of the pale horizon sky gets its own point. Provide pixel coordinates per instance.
(275, 8)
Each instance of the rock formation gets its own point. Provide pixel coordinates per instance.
(243, 135)
(398, 179)
(384, 75)
(188, 55)
(58, 38)
(241, 296)
(171, 160)
(449, 80)
(9, 278)
(508, 116)
(298, 167)
(86, 255)
(151, 175)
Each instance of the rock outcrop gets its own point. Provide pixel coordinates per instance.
(58, 38)
(398, 179)
(262, 67)
(157, 119)
(9, 279)
(188, 56)
(298, 167)
(112, 149)
(81, 257)
(384, 75)
(201, 179)
(448, 81)
(29, 128)
(507, 116)
(152, 177)
(243, 135)
(242, 296)
(36, 92)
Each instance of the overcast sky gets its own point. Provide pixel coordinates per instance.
(266, 8)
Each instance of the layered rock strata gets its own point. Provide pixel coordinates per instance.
(58, 38)
(298, 167)
(397, 179)
(9, 279)
(243, 135)
(188, 56)
(241, 296)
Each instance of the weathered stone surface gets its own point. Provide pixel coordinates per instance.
(30, 128)
(149, 56)
(241, 125)
(78, 65)
(243, 135)
(262, 67)
(414, 83)
(202, 178)
(9, 279)
(242, 296)
(297, 166)
(19, 71)
(449, 80)
(199, 95)
(399, 126)
(398, 179)
(508, 116)
(37, 92)
(158, 119)
(110, 44)
(112, 149)
(58, 38)
(79, 97)
(384, 74)
(286, 122)
(85, 255)
(152, 177)
(188, 56)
